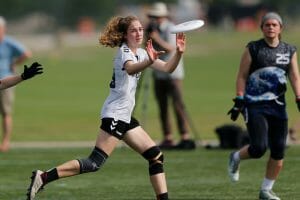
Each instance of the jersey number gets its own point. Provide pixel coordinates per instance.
(282, 58)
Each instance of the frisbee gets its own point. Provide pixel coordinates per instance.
(187, 26)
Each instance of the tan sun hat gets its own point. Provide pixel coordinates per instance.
(158, 9)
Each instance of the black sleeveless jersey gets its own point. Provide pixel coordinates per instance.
(268, 71)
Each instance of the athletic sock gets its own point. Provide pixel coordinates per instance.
(267, 184)
(163, 196)
(236, 156)
(50, 175)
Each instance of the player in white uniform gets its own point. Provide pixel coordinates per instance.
(120, 102)
(117, 123)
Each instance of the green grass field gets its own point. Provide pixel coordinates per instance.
(191, 175)
(64, 103)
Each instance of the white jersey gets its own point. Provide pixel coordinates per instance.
(121, 100)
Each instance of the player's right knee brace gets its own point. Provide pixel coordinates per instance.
(156, 159)
(93, 162)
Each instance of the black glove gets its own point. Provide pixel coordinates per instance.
(298, 103)
(33, 70)
(238, 107)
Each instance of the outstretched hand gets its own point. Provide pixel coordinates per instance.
(180, 42)
(31, 71)
(152, 53)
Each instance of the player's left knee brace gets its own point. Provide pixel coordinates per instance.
(156, 159)
(93, 162)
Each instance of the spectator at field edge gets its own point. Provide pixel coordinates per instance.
(260, 88)
(168, 85)
(117, 121)
(12, 53)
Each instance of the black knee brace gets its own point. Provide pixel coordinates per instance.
(156, 159)
(93, 162)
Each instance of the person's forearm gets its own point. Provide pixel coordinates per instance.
(23, 57)
(137, 67)
(240, 86)
(295, 83)
(162, 43)
(294, 75)
(20, 60)
(171, 65)
(10, 81)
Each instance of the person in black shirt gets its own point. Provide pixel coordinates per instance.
(260, 88)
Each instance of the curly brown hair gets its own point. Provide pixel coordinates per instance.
(115, 31)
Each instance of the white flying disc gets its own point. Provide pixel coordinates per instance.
(187, 26)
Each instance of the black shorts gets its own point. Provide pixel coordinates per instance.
(268, 127)
(118, 128)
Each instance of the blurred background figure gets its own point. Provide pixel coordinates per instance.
(12, 53)
(168, 85)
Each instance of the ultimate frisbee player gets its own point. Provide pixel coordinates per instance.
(117, 121)
(260, 89)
